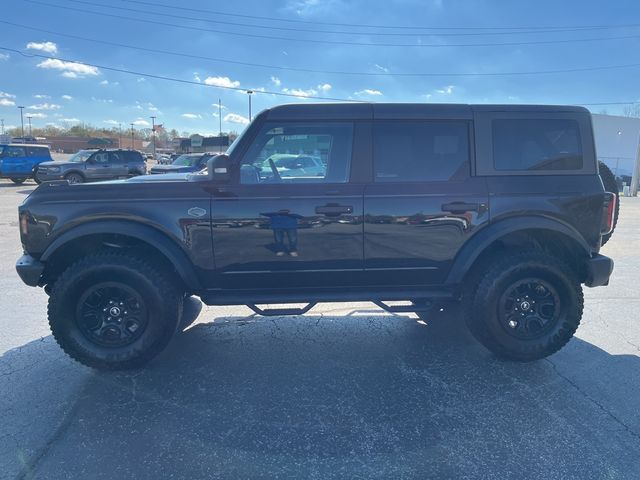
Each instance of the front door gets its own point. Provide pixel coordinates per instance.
(275, 226)
(423, 203)
(98, 166)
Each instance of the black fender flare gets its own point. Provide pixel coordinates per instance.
(485, 237)
(154, 237)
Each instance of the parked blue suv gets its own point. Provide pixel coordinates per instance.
(19, 161)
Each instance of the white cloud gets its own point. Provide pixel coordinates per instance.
(45, 106)
(36, 115)
(67, 97)
(222, 82)
(101, 100)
(298, 92)
(42, 97)
(152, 108)
(141, 122)
(324, 87)
(111, 122)
(191, 115)
(276, 81)
(196, 77)
(70, 120)
(107, 82)
(381, 68)
(141, 79)
(448, 90)
(69, 69)
(235, 118)
(6, 99)
(215, 105)
(4, 56)
(369, 91)
(48, 47)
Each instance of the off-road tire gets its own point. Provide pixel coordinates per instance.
(482, 307)
(74, 177)
(161, 298)
(610, 185)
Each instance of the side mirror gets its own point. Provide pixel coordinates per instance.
(219, 168)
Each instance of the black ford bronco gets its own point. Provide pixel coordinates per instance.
(499, 207)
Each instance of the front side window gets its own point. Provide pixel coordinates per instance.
(101, 157)
(420, 151)
(318, 152)
(536, 144)
(13, 152)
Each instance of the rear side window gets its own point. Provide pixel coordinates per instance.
(37, 152)
(420, 151)
(536, 144)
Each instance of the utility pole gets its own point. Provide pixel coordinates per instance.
(153, 135)
(2, 124)
(120, 135)
(133, 147)
(220, 122)
(21, 121)
(249, 92)
(29, 118)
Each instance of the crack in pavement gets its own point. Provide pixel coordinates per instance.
(610, 414)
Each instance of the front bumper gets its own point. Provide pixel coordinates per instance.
(599, 270)
(48, 177)
(30, 270)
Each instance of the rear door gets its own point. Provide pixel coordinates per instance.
(119, 163)
(423, 202)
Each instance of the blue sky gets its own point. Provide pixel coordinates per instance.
(59, 93)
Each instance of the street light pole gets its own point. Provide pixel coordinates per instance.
(132, 142)
(249, 92)
(120, 135)
(153, 135)
(2, 124)
(29, 118)
(21, 121)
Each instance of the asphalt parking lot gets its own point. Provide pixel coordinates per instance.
(346, 391)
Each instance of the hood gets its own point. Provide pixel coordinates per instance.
(172, 168)
(59, 163)
(168, 177)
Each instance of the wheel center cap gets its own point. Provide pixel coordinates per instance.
(525, 305)
(114, 311)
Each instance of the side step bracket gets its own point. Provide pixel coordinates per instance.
(273, 312)
(422, 306)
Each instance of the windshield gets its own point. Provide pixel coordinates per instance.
(81, 156)
(186, 160)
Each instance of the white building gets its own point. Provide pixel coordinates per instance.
(617, 141)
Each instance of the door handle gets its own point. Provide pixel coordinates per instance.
(333, 210)
(462, 207)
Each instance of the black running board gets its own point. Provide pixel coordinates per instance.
(422, 298)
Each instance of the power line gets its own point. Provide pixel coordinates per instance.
(245, 90)
(342, 32)
(178, 80)
(326, 72)
(386, 26)
(335, 42)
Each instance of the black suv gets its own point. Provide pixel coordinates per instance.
(498, 207)
(93, 165)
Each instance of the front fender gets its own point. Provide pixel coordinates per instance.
(485, 237)
(157, 239)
